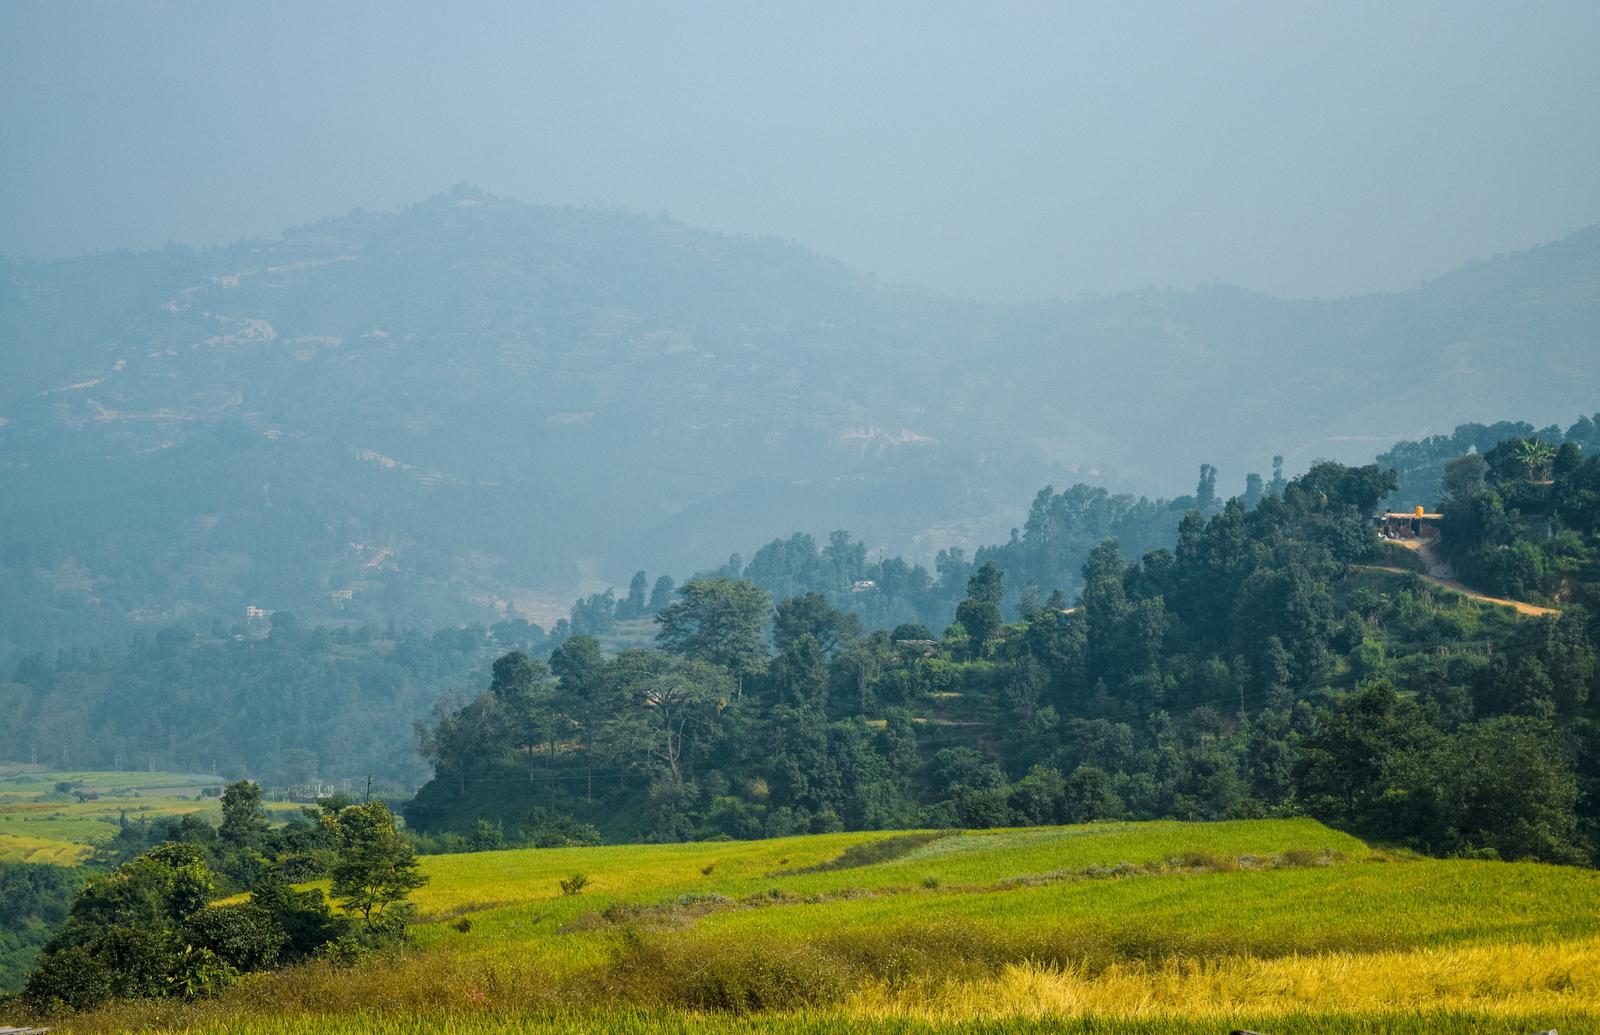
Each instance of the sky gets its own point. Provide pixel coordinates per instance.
(1003, 151)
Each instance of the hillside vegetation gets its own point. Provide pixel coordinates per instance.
(1158, 927)
(1265, 666)
(427, 416)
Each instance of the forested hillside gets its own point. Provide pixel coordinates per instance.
(292, 702)
(472, 409)
(1275, 661)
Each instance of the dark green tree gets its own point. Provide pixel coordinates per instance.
(721, 621)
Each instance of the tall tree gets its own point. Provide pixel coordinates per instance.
(633, 606)
(663, 704)
(811, 615)
(376, 869)
(244, 820)
(721, 621)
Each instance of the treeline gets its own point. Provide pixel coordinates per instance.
(1260, 667)
(1045, 554)
(1419, 465)
(291, 704)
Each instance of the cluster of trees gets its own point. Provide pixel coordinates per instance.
(1419, 465)
(1521, 518)
(1047, 551)
(1254, 669)
(150, 927)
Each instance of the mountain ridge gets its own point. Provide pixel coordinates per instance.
(505, 401)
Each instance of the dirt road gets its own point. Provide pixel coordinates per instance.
(1439, 574)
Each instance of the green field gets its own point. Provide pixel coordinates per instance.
(40, 824)
(1276, 925)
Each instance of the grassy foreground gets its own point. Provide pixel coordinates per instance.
(1278, 926)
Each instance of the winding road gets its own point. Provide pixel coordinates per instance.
(1439, 574)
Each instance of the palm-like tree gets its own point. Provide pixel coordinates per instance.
(1536, 455)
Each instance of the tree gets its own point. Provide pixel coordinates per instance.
(123, 936)
(663, 702)
(1505, 787)
(720, 621)
(1342, 764)
(244, 820)
(799, 676)
(1279, 482)
(661, 594)
(1464, 477)
(579, 665)
(1087, 795)
(376, 869)
(1535, 455)
(633, 606)
(987, 585)
(812, 615)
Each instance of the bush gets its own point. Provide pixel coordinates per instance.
(244, 936)
(547, 828)
(575, 884)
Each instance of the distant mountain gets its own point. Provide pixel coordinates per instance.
(420, 416)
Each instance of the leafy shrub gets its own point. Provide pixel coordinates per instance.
(244, 936)
(575, 884)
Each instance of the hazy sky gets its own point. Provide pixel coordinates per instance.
(1005, 151)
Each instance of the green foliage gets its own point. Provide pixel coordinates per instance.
(123, 936)
(245, 936)
(720, 621)
(244, 820)
(34, 901)
(376, 869)
(1256, 668)
(345, 698)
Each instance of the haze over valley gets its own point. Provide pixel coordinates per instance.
(713, 518)
(473, 407)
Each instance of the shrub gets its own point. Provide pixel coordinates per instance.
(575, 884)
(244, 936)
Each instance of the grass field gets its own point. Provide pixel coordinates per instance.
(1278, 926)
(40, 824)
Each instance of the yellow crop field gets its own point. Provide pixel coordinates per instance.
(1273, 925)
(41, 823)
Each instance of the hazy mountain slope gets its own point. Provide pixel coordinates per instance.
(416, 415)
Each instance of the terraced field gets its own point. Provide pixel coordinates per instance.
(1278, 926)
(41, 824)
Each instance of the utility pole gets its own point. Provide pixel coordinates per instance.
(369, 788)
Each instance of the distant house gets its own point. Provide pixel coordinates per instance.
(252, 612)
(927, 648)
(863, 586)
(1417, 524)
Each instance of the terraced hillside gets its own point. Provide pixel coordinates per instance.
(1275, 925)
(59, 817)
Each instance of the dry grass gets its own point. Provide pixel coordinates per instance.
(1161, 928)
(1497, 980)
